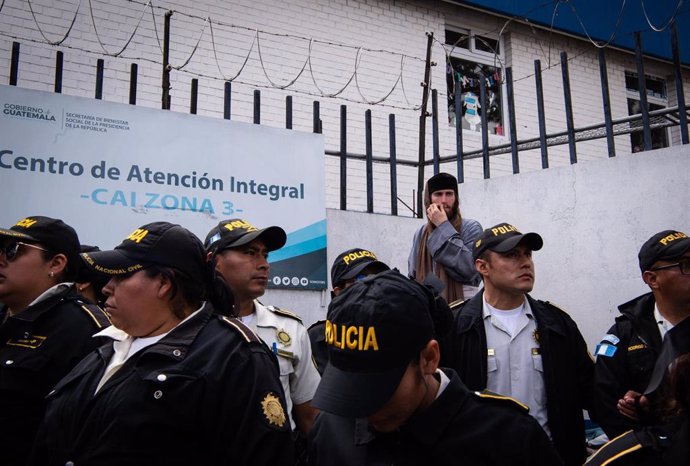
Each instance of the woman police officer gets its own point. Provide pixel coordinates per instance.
(178, 384)
(45, 325)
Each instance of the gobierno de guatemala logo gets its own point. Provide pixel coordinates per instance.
(27, 111)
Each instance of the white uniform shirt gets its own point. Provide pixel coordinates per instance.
(514, 364)
(288, 339)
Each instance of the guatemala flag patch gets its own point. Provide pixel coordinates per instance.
(605, 350)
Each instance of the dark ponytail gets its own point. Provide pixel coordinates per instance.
(218, 292)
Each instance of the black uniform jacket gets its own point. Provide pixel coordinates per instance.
(667, 445)
(207, 393)
(37, 348)
(568, 368)
(631, 366)
(459, 427)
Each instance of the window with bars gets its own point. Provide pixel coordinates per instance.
(471, 58)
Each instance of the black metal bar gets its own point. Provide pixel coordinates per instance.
(485, 127)
(316, 119)
(59, 66)
(604, 78)
(377, 160)
(458, 132)
(370, 163)
(393, 164)
(257, 107)
(434, 130)
(679, 85)
(288, 112)
(642, 84)
(100, 66)
(422, 125)
(194, 97)
(569, 121)
(343, 157)
(133, 72)
(541, 115)
(165, 98)
(511, 121)
(227, 100)
(14, 64)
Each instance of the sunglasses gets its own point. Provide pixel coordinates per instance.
(11, 250)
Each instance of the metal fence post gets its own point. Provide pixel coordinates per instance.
(511, 120)
(541, 114)
(369, 162)
(393, 164)
(604, 77)
(570, 124)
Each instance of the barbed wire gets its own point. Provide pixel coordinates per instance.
(40, 30)
(263, 67)
(209, 22)
(668, 23)
(98, 37)
(198, 74)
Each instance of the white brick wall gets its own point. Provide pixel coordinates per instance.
(382, 25)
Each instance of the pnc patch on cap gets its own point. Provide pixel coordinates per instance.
(354, 337)
(26, 223)
(241, 224)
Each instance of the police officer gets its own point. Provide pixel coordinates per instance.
(626, 354)
(177, 384)
(46, 327)
(349, 267)
(667, 444)
(239, 252)
(507, 342)
(384, 400)
(443, 246)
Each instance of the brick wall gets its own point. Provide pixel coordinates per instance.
(385, 31)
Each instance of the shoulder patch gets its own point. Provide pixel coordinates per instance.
(98, 315)
(282, 312)
(618, 447)
(273, 412)
(247, 333)
(604, 349)
(611, 338)
(506, 400)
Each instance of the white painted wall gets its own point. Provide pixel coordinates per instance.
(593, 217)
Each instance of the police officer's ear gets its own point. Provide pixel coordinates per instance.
(429, 357)
(482, 265)
(209, 256)
(651, 279)
(57, 264)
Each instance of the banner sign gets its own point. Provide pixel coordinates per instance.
(108, 168)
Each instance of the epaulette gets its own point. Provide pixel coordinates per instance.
(506, 400)
(94, 311)
(620, 446)
(236, 324)
(99, 316)
(457, 304)
(282, 312)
